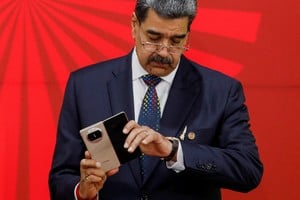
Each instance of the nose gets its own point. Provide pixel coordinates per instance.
(163, 50)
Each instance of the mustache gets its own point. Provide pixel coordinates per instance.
(159, 59)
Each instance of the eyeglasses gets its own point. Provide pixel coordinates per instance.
(157, 47)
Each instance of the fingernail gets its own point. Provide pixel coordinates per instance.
(125, 130)
(125, 145)
(98, 164)
(130, 149)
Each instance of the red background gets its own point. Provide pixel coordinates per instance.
(41, 41)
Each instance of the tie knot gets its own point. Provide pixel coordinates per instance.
(151, 80)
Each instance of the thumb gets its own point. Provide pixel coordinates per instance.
(87, 155)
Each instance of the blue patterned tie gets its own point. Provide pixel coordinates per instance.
(150, 108)
(149, 113)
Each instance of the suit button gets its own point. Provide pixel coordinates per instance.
(144, 197)
(209, 166)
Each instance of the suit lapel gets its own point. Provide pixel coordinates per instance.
(120, 89)
(184, 91)
(121, 98)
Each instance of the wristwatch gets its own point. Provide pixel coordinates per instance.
(175, 144)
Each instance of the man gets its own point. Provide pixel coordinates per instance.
(202, 142)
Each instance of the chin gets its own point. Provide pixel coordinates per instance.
(160, 71)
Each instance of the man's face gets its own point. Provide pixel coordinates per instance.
(159, 31)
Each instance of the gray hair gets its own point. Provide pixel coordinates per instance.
(167, 9)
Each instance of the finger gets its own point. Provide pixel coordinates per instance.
(92, 175)
(136, 131)
(112, 172)
(133, 133)
(94, 178)
(129, 126)
(151, 136)
(85, 179)
(86, 163)
(138, 140)
(87, 155)
(89, 163)
(135, 137)
(147, 139)
(93, 181)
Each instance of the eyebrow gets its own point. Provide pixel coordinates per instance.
(179, 36)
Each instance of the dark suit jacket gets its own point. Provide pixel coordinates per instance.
(223, 153)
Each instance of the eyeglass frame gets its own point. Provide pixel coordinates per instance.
(157, 47)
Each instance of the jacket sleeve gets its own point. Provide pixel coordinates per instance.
(64, 173)
(230, 160)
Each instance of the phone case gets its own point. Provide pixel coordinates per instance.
(105, 141)
(99, 145)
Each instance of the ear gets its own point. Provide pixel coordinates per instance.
(187, 39)
(134, 24)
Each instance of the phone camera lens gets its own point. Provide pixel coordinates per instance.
(94, 135)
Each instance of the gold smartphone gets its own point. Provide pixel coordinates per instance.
(105, 140)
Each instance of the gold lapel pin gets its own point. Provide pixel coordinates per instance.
(191, 135)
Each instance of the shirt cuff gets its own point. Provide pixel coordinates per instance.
(177, 166)
(75, 193)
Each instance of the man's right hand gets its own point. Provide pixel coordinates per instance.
(92, 177)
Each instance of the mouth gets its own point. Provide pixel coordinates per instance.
(160, 65)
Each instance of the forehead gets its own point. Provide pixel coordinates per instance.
(165, 26)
